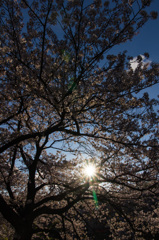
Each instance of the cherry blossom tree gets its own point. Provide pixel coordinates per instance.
(65, 97)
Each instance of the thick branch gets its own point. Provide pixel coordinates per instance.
(60, 211)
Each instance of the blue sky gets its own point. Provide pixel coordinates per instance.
(146, 41)
(148, 38)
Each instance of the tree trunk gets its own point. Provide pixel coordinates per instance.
(25, 232)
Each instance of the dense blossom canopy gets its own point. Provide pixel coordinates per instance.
(66, 101)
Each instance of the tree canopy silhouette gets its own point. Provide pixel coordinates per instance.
(65, 101)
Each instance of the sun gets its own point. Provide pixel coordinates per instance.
(90, 170)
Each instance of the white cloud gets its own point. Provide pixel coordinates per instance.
(135, 62)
